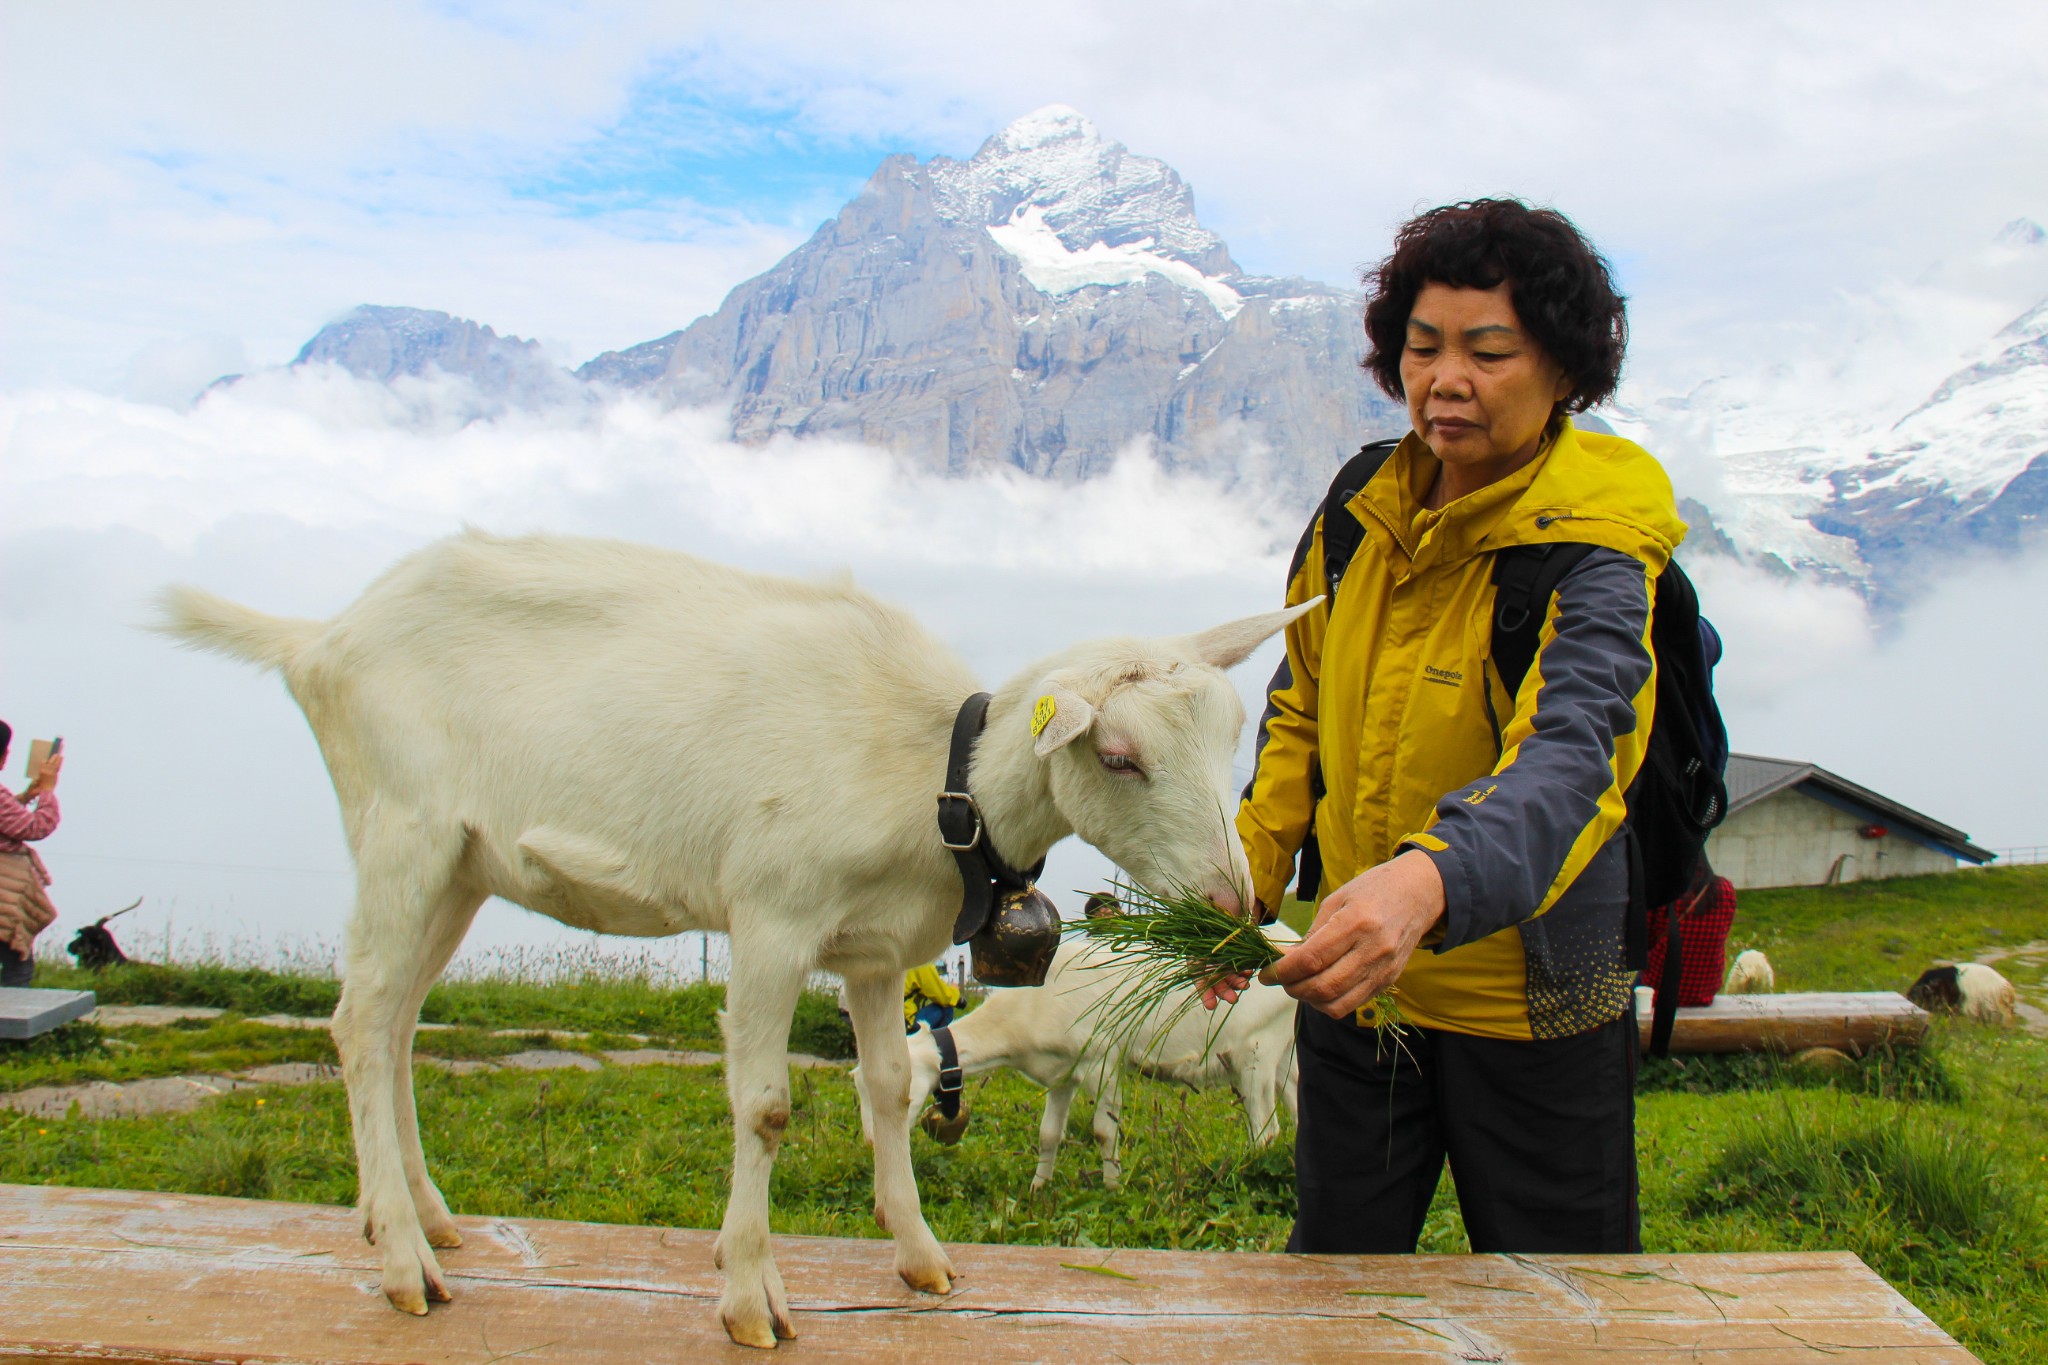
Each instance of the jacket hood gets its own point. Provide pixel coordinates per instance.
(1584, 487)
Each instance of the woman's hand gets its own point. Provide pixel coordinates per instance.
(46, 776)
(1364, 933)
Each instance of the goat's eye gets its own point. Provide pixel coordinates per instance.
(1121, 763)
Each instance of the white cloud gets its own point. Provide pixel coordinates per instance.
(195, 782)
(291, 493)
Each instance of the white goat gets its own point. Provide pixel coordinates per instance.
(1047, 1033)
(1751, 974)
(636, 741)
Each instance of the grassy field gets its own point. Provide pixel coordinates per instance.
(1930, 1165)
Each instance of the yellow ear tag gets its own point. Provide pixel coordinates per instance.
(1041, 715)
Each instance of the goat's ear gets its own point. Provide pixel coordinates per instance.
(1058, 718)
(1230, 644)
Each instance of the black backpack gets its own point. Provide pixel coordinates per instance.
(1678, 796)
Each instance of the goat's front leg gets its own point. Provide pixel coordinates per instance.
(1290, 1083)
(760, 1003)
(1258, 1091)
(877, 1007)
(1052, 1129)
(1109, 1103)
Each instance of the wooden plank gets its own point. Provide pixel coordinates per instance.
(121, 1276)
(1853, 1021)
(26, 1011)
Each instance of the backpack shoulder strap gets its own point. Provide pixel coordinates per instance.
(1341, 531)
(1525, 578)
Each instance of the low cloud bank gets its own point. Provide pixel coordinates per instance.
(195, 783)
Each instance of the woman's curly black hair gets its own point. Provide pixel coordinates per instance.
(1561, 288)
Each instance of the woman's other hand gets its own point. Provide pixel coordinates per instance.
(46, 776)
(1364, 933)
(1225, 989)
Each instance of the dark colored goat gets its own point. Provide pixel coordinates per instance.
(94, 946)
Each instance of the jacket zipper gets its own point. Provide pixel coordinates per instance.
(1486, 675)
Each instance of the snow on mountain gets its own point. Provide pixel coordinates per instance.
(1050, 265)
(1915, 438)
(1984, 425)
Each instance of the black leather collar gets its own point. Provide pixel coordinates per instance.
(947, 1093)
(983, 873)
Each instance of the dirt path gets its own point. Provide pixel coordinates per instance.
(181, 1094)
(2026, 966)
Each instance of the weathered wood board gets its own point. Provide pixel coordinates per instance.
(1854, 1021)
(26, 1011)
(119, 1276)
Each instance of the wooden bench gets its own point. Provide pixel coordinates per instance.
(120, 1276)
(1853, 1021)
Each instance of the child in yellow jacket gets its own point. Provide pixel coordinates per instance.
(928, 998)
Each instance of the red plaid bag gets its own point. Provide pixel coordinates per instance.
(1704, 919)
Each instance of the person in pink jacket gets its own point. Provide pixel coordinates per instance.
(25, 908)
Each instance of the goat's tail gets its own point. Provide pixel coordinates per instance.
(205, 621)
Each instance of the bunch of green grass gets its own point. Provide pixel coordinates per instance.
(1180, 942)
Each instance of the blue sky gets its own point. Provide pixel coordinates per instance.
(678, 142)
(233, 175)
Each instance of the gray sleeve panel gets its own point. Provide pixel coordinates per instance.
(1505, 851)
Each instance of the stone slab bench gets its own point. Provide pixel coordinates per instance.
(26, 1011)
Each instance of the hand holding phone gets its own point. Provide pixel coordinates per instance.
(45, 778)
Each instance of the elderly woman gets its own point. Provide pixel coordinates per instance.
(1479, 821)
(25, 908)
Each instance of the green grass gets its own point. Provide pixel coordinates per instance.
(1881, 935)
(1930, 1164)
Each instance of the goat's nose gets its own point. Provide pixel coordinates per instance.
(1226, 897)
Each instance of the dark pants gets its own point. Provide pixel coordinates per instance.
(937, 1016)
(16, 970)
(1540, 1136)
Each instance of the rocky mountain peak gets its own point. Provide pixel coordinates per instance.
(1053, 166)
(384, 344)
(1053, 123)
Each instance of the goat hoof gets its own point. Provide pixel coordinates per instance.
(759, 1329)
(444, 1238)
(409, 1298)
(928, 1281)
(930, 1273)
(757, 1332)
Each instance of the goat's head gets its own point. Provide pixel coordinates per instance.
(1137, 738)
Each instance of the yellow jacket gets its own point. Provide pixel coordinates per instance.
(921, 984)
(1393, 697)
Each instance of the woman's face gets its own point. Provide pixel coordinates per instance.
(1479, 390)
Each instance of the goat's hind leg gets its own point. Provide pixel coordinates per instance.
(402, 874)
(877, 1007)
(453, 913)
